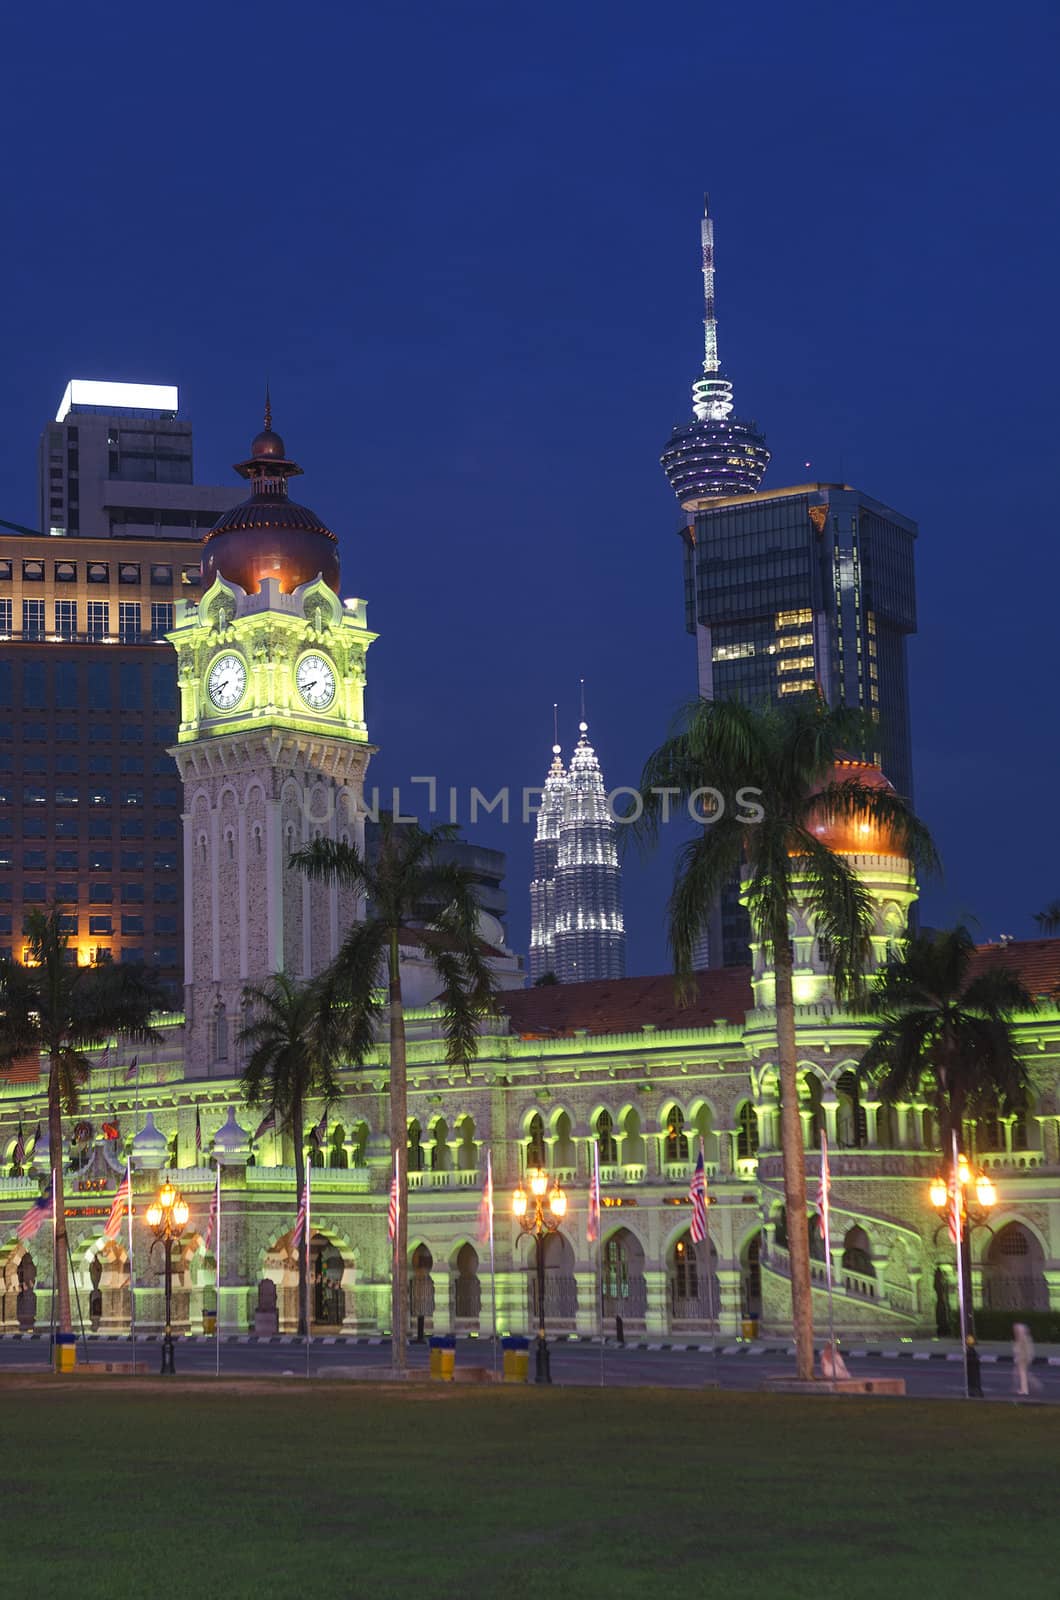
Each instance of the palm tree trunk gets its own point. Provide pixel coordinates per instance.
(298, 1135)
(794, 1163)
(399, 1161)
(61, 1264)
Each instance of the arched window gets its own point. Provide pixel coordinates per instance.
(633, 1150)
(686, 1270)
(1019, 1131)
(563, 1152)
(415, 1147)
(606, 1142)
(337, 1156)
(622, 1276)
(988, 1134)
(467, 1150)
(887, 1127)
(812, 1102)
(857, 1254)
(535, 1144)
(440, 1147)
(852, 1125)
(746, 1132)
(675, 1142)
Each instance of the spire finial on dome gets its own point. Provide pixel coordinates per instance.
(268, 408)
(555, 727)
(583, 726)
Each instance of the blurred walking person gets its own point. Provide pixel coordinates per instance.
(1022, 1358)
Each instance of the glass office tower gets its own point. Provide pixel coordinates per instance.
(796, 589)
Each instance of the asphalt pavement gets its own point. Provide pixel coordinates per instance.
(935, 1373)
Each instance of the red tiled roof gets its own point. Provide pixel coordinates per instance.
(624, 1005)
(1036, 962)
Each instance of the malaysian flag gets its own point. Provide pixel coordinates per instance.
(592, 1227)
(394, 1206)
(39, 1213)
(215, 1206)
(485, 1205)
(303, 1213)
(133, 1067)
(956, 1209)
(697, 1194)
(18, 1154)
(320, 1132)
(117, 1210)
(267, 1123)
(198, 1132)
(824, 1185)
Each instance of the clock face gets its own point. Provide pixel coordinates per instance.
(227, 682)
(316, 682)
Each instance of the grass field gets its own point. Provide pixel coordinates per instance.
(113, 1488)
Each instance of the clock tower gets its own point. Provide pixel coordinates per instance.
(272, 749)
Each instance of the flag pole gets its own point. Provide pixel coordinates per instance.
(217, 1276)
(599, 1256)
(826, 1230)
(55, 1278)
(308, 1262)
(132, 1282)
(714, 1312)
(493, 1259)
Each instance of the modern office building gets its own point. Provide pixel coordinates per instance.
(90, 800)
(485, 867)
(787, 592)
(543, 880)
(796, 590)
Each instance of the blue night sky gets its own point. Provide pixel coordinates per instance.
(462, 243)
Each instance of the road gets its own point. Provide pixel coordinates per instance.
(572, 1363)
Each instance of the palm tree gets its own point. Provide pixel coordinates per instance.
(1049, 919)
(403, 882)
(773, 768)
(947, 1029)
(288, 1062)
(50, 1006)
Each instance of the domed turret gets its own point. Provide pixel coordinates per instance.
(850, 835)
(150, 1148)
(269, 535)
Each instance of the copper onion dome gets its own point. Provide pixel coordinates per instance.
(269, 535)
(853, 835)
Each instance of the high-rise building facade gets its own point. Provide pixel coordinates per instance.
(543, 881)
(90, 800)
(590, 937)
(791, 591)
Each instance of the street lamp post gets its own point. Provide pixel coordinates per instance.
(540, 1223)
(167, 1217)
(964, 1202)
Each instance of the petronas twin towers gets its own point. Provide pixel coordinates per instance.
(576, 929)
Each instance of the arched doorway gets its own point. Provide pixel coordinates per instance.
(1013, 1272)
(421, 1286)
(695, 1293)
(326, 1295)
(465, 1288)
(18, 1296)
(751, 1276)
(561, 1291)
(622, 1289)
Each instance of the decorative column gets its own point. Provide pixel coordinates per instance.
(657, 1296)
(829, 1110)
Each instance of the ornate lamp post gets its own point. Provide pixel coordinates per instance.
(167, 1217)
(964, 1203)
(540, 1223)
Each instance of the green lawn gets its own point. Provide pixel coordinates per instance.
(272, 1489)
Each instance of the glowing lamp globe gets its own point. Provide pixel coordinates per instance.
(519, 1203)
(166, 1196)
(939, 1193)
(538, 1183)
(557, 1201)
(180, 1213)
(985, 1192)
(153, 1214)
